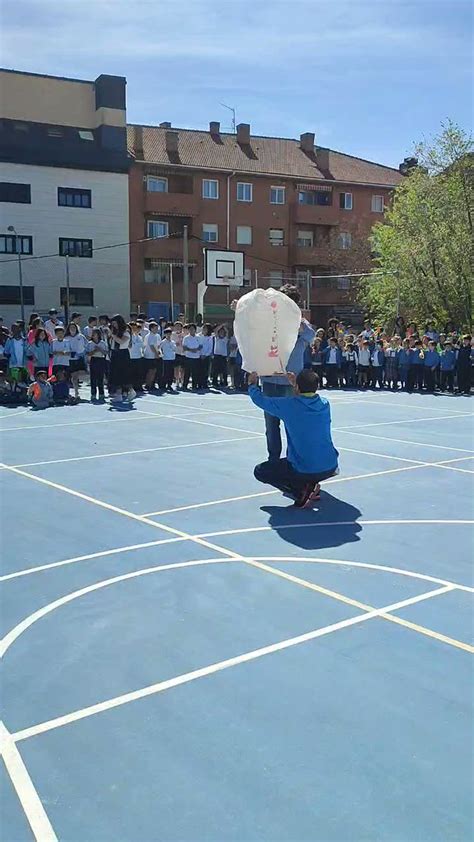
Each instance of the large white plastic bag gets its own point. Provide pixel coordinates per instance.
(266, 328)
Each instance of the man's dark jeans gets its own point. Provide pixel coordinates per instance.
(272, 424)
(282, 475)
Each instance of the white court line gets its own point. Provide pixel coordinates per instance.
(134, 452)
(101, 554)
(7, 416)
(308, 525)
(131, 415)
(25, 789)
(405, 421)
(33, 618)
(210, 503)
(414, 443)
(25, 624)
(185, 678)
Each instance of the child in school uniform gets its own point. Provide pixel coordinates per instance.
(391, 363)
(77, 363)
(417, 367)
(219, 360)
(349, 365)
(168, 353)
(317, 359)
(61, 352)
(447, 366)
(192, 351)
(403, 358)
(39, 351)
(41, 391)
(363, 356)
(431, 364)
(96, 350)
(60, 384)
(333, 363)
(377, 362)
(207, 346)
(137, 373)
(6, 390)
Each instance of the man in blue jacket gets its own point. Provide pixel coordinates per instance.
(311, 455)
(277, 385)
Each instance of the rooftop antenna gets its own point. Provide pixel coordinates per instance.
(229, 108)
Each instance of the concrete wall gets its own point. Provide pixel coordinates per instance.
(106, 223)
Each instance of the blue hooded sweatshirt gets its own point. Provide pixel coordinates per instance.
(307, 422)
(431, 359)
(448, 360)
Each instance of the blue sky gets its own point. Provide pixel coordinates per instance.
(369, 78)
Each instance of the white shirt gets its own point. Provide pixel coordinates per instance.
(51, 326)
(88, 331)
(60, 345)
(178, 340)
(207, 343)
(152, 340)
(77, 344)
(136, 347)
(191, 347)
(120, 343)
(168, 349)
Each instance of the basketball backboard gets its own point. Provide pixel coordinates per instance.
(224, 268)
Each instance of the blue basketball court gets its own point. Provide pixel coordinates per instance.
(187, 657)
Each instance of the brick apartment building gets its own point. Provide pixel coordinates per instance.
(294, 209)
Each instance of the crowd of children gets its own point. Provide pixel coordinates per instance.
(43, 361)
(409, 359)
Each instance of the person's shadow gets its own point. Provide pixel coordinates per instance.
(332, 524)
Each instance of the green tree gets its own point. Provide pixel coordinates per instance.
(425, 247)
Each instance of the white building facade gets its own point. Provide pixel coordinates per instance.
(64, 218)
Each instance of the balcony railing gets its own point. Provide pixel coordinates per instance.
(172, 204)
(315, 214)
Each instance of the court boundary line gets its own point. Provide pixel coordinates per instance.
(415, 443)
(202, 672)
(25, 789)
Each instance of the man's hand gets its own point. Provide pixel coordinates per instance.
(253, 378)
(233, 304)
(291, 378)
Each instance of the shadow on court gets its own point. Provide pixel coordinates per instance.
(303, 527)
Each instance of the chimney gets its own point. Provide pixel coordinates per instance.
(322, 159)
(138, 142)
(172, 142)
(243, 134)
(307, 142)
(214, 127)
(164, 125)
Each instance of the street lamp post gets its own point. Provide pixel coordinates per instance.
(20, 271)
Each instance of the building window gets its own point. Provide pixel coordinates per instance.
(244, 235)
(345, 201)
(314, 197)
(344, 240)
(72, 197)
(85, 134)
(377, 204)
(157, 229)
(210, 188)
(78, 297)
(244, 192)
(305, 239)
(276, 236)
(210, 232)
(12, 192)
(12, 295)
(343, 282)
(275, 278)
(72, 247)
(277, 195)
(158, 274)
(156, 185)
(9, 244)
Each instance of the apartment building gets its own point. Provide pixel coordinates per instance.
(297, 210)
(63, 194)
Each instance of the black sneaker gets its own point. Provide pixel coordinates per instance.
(304, 495)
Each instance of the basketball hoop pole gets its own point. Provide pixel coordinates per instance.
(186, 272)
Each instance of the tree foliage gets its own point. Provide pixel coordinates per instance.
(425, 247)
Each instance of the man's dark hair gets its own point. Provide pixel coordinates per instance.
(292, 292)
(307, 381)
